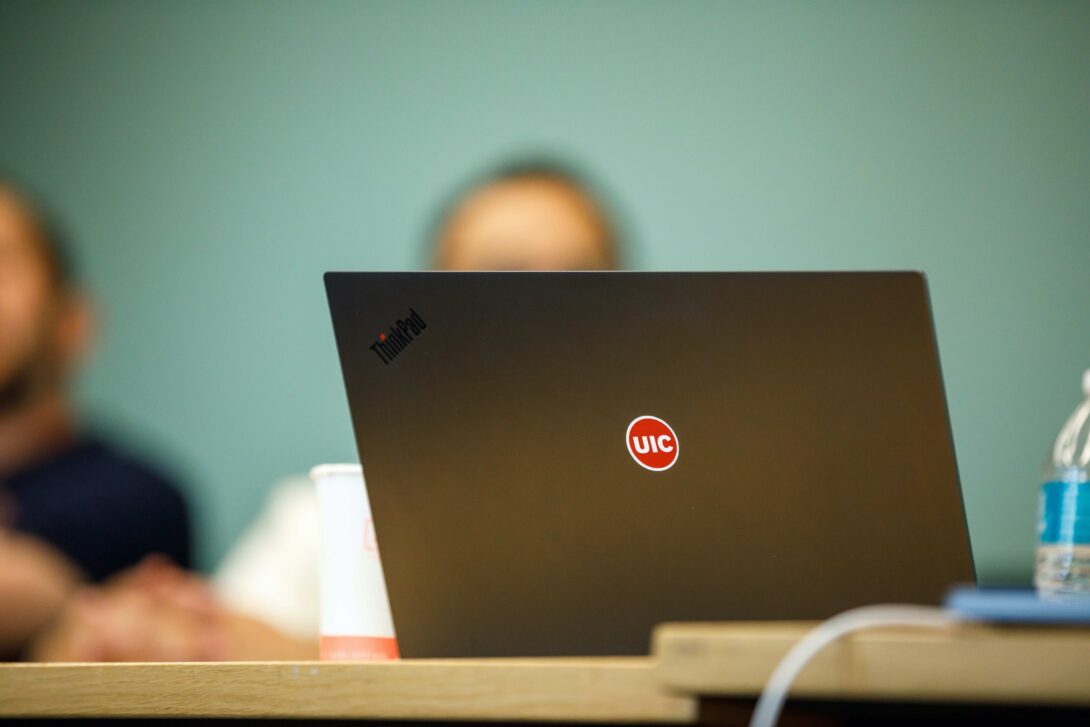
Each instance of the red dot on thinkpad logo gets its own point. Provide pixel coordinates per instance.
(652, 443)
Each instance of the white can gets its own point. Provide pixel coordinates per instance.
(356, 623)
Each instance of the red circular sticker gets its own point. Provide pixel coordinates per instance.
(652, 443)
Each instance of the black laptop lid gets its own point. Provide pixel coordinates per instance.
(805, 467)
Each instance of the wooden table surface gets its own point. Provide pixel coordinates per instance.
(692, 666)
(568, 690)
(972, 663)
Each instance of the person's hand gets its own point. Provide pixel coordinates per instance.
(153, 612)
(158, 612)
(35, 582)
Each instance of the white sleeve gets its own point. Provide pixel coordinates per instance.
(271, 573)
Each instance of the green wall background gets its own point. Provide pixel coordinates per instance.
(216, 157)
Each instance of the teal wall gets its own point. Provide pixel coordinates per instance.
(217, 157)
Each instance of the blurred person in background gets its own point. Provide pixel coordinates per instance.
(536, 215)
(74, 508)
(527, 215)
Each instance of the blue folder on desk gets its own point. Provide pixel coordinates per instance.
(1018, 605)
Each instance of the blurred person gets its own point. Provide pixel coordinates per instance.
(73, 507)
(534, 215)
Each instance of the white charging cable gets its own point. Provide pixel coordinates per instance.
(770, 704)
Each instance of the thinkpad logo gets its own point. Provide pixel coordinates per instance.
(652, 443)
(391, 343)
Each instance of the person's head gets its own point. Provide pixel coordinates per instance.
(44, 321)
(526, 216)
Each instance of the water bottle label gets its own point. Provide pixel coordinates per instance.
(1064, 513)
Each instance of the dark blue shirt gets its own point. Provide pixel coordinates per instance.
(102, 508)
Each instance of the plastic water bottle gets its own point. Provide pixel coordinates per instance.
(1063, 511)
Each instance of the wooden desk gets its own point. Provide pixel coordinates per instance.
(707, 673)
(969, 672)
(504, 690)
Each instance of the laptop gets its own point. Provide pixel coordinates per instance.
(557, 462)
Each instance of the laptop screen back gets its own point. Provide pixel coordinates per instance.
(808, 459)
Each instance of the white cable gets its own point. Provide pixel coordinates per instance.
(770, 704)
